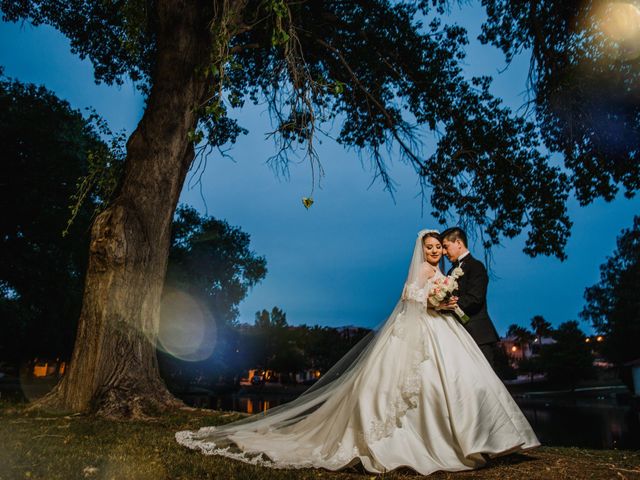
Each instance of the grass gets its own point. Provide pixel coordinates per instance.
(49, 447)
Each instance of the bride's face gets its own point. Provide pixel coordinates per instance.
(431, 250)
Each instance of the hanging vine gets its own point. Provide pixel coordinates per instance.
(105, 164)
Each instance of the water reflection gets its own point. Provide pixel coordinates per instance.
(239, 403)
(596, 426)
(556, 423)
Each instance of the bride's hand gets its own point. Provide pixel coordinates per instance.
(451, 304)
(452, 301)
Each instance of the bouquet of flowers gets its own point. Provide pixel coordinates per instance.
(443, 289)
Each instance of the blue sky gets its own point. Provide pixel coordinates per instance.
(344, 261)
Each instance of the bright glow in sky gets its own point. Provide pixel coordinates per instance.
(621, 23)
(344, 261)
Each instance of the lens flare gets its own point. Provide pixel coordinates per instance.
(37, 378)
(187, 328)
(621, 23)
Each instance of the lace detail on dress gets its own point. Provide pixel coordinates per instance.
(412, 292)
(345, 455)
(398, 405)
(340, 458)
(416, 293)
(398, 326)
(405, 397)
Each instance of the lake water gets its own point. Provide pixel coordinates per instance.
(575, 424)
(600, 424)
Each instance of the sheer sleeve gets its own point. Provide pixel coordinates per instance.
(424, 274)
(418, 291)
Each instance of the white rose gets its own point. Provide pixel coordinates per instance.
(457, 272)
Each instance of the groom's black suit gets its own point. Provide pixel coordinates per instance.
(472, 299)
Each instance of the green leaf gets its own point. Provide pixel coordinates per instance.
(195, 136)
(279, 37)
(307, 202)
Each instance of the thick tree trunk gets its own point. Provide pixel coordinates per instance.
(113, 370)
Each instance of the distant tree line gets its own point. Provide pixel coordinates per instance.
(567, 360)
(269, 344)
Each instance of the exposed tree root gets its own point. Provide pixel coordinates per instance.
(133, 402)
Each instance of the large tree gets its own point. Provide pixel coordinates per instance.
(385, 70)
(584, 79)
(568, 360)
(613, 305)
(521, 335)
(541, 327)
(43, 255)
(212, 261)
(41, 271)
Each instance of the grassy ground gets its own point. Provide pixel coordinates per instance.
(37, 446)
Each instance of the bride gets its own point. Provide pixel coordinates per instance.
(418, 392)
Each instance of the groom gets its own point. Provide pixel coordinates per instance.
(472, 291)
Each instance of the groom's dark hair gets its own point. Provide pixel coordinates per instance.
(454, 233)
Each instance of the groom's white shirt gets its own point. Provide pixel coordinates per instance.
(463, 255)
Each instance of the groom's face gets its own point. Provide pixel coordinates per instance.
(453, 249)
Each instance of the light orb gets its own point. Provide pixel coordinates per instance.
(187, 328)
(620, 22)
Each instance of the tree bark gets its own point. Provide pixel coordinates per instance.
(113, 370)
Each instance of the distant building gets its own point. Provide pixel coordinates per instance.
(48, 368)
(635, 375)
(307, 376)
(517, 350)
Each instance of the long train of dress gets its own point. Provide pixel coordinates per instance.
(423, 396)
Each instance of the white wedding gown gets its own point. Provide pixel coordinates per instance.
(420, 394)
